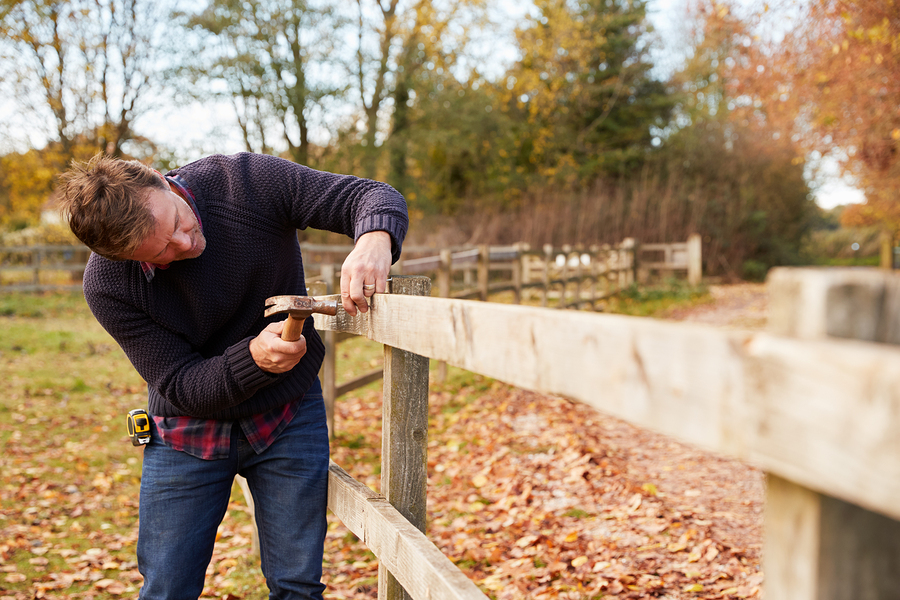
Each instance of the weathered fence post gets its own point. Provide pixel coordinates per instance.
(548, 257)
(819, 547)
(445, 277)
(517, 273)
(404, 433)
(484, 266)
(37, 257)
(627, 275)
(329, 371)
(566, 251)
(695, 259)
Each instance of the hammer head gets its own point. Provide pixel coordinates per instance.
(299, 307)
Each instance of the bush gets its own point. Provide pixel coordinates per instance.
(45, 234)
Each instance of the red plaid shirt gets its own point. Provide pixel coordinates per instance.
(207, 438)
(210, 439)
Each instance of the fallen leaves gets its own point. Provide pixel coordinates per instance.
(536, 497)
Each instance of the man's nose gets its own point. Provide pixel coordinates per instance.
(182, 240)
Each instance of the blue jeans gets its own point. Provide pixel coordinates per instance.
(184, 498)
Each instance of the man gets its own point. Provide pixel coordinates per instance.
(181, 269)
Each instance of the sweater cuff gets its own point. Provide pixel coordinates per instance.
(246, 373)
(395, 227)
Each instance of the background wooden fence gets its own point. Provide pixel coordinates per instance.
(564, 275)
(820, 415)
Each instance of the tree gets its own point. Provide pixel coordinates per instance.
(583, 90)
(81, 71)
(271, 55)
(835, 80)
(396, 42)
(740, 180)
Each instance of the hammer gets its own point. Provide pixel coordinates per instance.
(298, 308)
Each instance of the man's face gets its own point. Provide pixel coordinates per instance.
(177, 235)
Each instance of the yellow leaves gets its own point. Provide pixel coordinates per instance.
(895, 134)
(694, 587)
(681, 544)
(101, 483)
(110, 586)
(579, 561)
(572, 537)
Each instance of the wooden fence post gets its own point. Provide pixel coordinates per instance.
(37, 257)
(404, 439)
(484, 266)
(445, 277)
(548, 257)
(328, 373)
(517, 274)
(695, 259)
(819, 547)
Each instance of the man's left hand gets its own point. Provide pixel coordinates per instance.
(365, 271)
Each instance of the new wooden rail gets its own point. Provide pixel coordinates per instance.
(820, 415)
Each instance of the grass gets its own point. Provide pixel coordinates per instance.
(653, 300)
(856, 261)
(68, 504)
(69, 497)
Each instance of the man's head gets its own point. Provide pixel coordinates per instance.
(126, 210)
(105, 203)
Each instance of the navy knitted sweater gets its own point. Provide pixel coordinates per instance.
(188, 331)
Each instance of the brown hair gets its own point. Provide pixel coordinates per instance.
(104, 202)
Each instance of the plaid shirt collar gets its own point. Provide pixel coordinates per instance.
(181, 188)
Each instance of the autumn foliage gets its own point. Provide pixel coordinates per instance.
(833, 83)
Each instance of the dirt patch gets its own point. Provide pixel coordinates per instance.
(736, 306)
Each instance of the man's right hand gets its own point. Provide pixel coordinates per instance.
(273, 354)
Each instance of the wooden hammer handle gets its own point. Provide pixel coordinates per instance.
(293, 328)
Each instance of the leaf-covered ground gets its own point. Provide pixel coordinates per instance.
(532, 496)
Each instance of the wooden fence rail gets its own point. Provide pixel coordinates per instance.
(564, 277)
(42, 268)
(820, 415)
